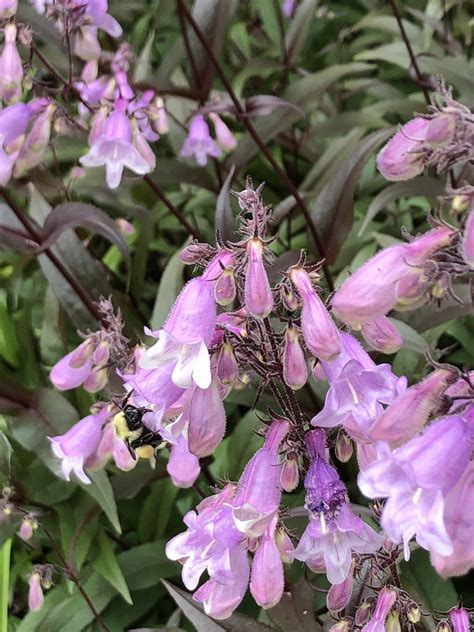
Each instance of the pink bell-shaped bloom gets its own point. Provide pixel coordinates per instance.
(8, 8)
(86, 365)
(295, 371)
(258, 293)
(319, 330)
(258, 492)
(267, 578)
(97, 9)
(382, 335)
(467, 246)
(11, 68)
(78, 444)
(207, 420)
(358, 389)
(415, 484)
(459, 521)
(460, 620)
(199, 143)
(395, 426)
(380, 284)
(224, 136)
(385, 600)
(111, 446)
(36, 142)
(35, 592)
(87, 45)
(14, 121)
(114, 148)
(334, 531)
(182, 466)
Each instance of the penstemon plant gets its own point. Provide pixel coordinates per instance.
(320, 470)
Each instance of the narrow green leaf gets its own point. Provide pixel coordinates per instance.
(8, 336)
(106, 565)
(4, 583)
(101, 490)
(168, 289)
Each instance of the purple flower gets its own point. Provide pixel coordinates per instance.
(207, 420)
(288, 7)
(334, 531)
(267, 579)
(183, 467)
(358, 389)
(14, 121)
(319, 331)
(415, 485)
(114, 148)
(34, 147)
(199, 143)
(258, 293)
(459, 620)
(224, 136)
(402, 158)
(385, 600)
(394, 425)
(339, 595)
(86, 365)
(11, 68)
(87, 45)
(459, 521)
(78, 444)
(394, 278)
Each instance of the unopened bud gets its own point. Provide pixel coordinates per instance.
(284, 545)
(344, 447)
(413, 613)
(258, 293)
(194, 253)
(440, 287)
(290, 474)
(288, 298)
(27, 527)
(382, 335)
(339, 595)
(242, 382)
(344, 625)
(82, 353)
(225, 288)
(8, 9)
(227, 367)
(460, 203)
(393, 622)
(295, 371)
(363, 612)
(443, 626)
(96, 380)
(125, 227)
(467, 244)
(35, 592)
(102, 353)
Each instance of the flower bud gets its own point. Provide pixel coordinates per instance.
(460, 203)
(393, 622)
(96, 380)
(8, 8)
(225, 288)
(102, 353)
(267, 578)
(285, 546)
(467, 244)
(382, 335)
(344, 625)
(158, 116)
(344, 447)
(227, 367)
(35, 592)
(290, 474)
(258, 293)
(288, 298)
(363, 612)
(27, 527)
(36, 142)
(11, 68)
(319, 330)
(339, 595)
(413, 613)
(443, 626)
(295, 371)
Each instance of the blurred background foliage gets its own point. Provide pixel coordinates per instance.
(346, 78)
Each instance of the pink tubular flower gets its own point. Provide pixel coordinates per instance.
(86, 365)
(319, 331)
(267, 577)
(415, 484)
(79, 444)
(14, 121)
(402, 158)
(459, 521)
(11, 68)
(394, 278)
(182, 466)
(385, 601)
(224, 136)
(114, 148)
(199, 143)
(339, 595)
(295, 371)
(36, 142)
(207, 420)
(395, 426)
(8, 8)
(382, 335)
(35, 592)
(334, 531)
(258, 293)
(459, 620)
(358, 390)
(87, 45)
(467, 246)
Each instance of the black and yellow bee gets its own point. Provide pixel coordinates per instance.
(128, 426)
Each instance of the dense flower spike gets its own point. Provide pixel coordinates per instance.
(415, 485)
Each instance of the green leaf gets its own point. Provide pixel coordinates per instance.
(4, 583)
(295, 611)
(143, 566)
(194, 612)
(8, 337)
(106, 565)
(5, 453)
(101, 490)
(299, 28)
(243, 444)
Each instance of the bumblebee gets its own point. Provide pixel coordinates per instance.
(128, 426)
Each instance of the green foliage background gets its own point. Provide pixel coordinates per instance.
(346, 68)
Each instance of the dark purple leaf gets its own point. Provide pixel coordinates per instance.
(80, 215)
(12, 233)
(333, 209)
(264, 104)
